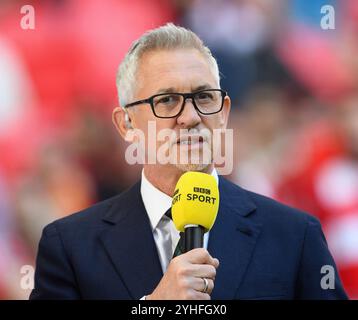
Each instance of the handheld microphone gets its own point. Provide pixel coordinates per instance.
(195, 206)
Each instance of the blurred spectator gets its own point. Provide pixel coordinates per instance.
(56, 187)
(262, 132)
(15, 85)
(241, 35)
(13, 249)
(325, 181)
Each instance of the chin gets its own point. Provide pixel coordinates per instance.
(192, 160)
(192, 166)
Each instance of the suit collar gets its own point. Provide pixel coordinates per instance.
(235, 198)
(123, 204)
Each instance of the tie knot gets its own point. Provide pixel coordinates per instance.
(168, 213)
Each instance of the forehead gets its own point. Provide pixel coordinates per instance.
(180, 69)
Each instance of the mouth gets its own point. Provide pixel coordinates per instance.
(190, 141)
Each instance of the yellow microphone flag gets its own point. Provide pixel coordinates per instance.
(195, 201)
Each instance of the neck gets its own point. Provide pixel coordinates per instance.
(165, 178)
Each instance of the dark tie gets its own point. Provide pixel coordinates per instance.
(180, 246)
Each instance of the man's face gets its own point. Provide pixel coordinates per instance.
(183, 71)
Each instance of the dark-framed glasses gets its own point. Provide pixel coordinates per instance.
(171, 105)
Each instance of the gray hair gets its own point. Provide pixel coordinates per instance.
(166, 37)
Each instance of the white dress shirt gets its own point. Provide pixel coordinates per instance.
(156, 204)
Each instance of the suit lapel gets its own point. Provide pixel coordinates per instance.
(130, 245)
(232, 239)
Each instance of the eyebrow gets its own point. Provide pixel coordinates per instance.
(165, 90)
(202, 87)
(171, 89)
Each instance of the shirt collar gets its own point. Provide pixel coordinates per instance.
(156, 202)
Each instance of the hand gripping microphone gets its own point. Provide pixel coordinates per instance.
(195, 205)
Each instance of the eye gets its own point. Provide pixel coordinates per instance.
(204, 96)
(167, 100)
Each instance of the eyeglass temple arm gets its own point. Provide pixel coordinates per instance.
(137, 102)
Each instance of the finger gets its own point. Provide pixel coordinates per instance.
(197, 295)
(199, 285)
(200, 256)
(203, 271)
(216, 263)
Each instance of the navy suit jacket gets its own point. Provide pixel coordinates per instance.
(266, 251)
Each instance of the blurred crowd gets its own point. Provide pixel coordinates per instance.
(294, 88)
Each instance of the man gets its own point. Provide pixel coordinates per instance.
(122, 248)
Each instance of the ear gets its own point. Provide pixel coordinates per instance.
(119, 120)
(225, 112)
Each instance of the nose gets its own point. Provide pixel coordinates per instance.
(189, 118)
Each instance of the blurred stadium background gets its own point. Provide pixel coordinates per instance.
(294, 87)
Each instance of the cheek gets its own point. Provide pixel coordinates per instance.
(213, 122)
(142, 114)
(159, 132)
(144, 120)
